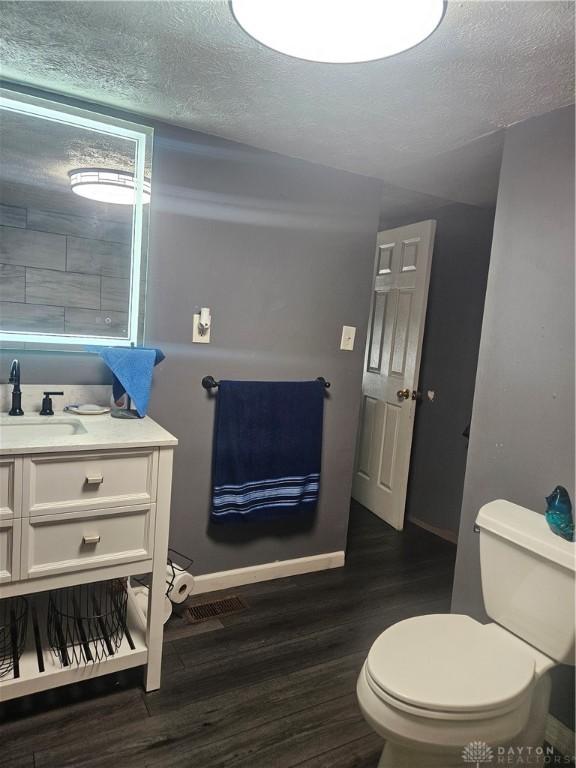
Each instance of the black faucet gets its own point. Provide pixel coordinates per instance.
(47, 409)
(16, 409)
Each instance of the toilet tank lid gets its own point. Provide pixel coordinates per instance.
(526, 529)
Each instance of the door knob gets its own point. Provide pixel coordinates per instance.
(403, 394)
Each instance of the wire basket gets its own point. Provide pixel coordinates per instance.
(13, 626)
(86, 623)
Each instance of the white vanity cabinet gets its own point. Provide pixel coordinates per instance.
(90, 506)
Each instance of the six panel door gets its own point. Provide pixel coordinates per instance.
(391, 366)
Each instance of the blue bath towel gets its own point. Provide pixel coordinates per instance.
(132, 370)
(267, 449)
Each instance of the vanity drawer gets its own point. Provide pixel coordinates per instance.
(74, 483)
(79, 541)
(10, 550)
(9, 488)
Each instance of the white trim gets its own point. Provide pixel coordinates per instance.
(211, 582)
(560, 737)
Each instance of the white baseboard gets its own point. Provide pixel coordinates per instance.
(210, 582)
(560, 737)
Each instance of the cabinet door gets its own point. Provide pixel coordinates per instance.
(9, 550)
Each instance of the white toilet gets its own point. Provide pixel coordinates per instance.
(432, 685)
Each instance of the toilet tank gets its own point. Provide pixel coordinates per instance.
(528, 578)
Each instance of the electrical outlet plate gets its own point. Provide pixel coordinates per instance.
(348, 335)
(197, 337)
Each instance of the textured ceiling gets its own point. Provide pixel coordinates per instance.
(421, 119)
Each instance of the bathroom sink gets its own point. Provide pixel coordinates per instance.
(45, 427)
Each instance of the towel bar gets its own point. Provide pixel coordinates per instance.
(209, 382)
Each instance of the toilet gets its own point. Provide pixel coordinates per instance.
(433, 685)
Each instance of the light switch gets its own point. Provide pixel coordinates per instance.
(348, 334)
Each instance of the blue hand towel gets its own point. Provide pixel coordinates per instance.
(267, 449)
(132, 368)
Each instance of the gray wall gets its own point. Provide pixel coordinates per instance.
(448, 367)
(281, 251)
(522, 434)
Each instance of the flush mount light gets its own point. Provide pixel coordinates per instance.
(107, 186)
(339, 31)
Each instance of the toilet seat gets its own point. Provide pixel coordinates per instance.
(464, 670)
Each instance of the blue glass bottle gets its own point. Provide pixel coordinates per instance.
(559, 513)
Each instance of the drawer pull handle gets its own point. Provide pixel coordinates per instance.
(94, 479)
(91, 539)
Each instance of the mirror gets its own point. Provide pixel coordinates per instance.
(74, 200)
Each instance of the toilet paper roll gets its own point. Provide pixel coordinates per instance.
(182, 583)
(141, 599)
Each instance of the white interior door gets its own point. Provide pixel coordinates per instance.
(391, 366)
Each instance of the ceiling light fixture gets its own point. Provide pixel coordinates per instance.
(339, 31)
(107, 186)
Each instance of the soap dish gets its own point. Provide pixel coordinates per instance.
(88, 409)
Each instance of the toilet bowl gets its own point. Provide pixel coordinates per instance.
(433, 685)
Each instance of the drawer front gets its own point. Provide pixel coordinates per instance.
(9, 488)
(80, 541)
(10, 550)
(76, 483)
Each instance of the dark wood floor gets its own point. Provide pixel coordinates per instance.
(271, 687)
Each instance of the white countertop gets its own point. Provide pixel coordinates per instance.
(69, 432)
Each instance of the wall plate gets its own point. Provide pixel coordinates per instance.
(197, 337)
(348, 336)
